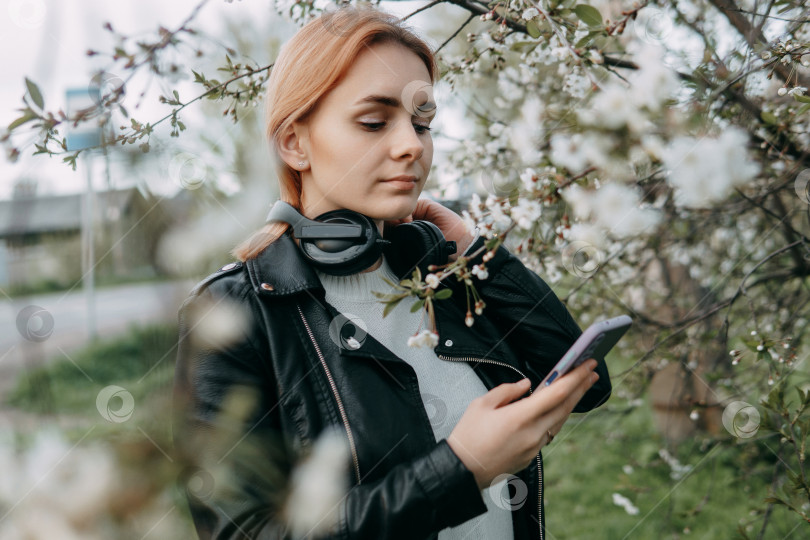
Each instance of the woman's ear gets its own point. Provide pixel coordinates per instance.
(292, 146)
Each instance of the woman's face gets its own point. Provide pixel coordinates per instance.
(369, 129)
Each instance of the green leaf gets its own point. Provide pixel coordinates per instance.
(769, 118)
(27, 116)
(803, 109)
(444, 293)
(33, 91)
(390, 306)
(801, 99)
(533, 29)
(587, 40)
(391, 283)
(417, 305)
(588, 14)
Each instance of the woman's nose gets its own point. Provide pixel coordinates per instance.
(407, 142)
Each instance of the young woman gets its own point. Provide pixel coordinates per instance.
(348, 117)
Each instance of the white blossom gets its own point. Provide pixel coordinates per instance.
(706, 170)
(530, 14)
(569, 151)
(613, 108)
(432, 280)
(480, 273)
(654, 82)
(526, 213)
(426, 338)
(624, 502)
(318, 486)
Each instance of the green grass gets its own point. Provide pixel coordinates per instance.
(583, 466)
(142, 362)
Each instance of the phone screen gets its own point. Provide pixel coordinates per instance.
(595, 342)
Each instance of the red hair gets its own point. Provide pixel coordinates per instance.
(308, 66)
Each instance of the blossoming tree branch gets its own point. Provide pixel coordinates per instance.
(644, 157)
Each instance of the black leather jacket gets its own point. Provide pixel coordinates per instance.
(404, 483)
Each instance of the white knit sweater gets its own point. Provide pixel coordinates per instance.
(447, 387)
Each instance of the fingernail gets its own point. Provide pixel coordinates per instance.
(524, 383)
(594, 377)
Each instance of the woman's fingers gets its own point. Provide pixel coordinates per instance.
(567, 390)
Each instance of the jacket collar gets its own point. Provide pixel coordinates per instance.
(281, 269)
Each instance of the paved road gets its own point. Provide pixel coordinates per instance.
(62, 317)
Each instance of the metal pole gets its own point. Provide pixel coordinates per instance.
(89, 262)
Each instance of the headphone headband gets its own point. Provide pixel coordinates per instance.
(344, 242)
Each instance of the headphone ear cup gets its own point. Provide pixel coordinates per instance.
(418, 243)
(342, 257)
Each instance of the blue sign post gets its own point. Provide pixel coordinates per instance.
(82, 109)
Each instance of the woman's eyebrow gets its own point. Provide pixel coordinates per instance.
(389, 101)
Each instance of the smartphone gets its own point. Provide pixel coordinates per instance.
(595, 342)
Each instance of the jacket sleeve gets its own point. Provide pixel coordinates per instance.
(533, 321)
(248, 460)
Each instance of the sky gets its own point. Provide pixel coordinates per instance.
(46, 40)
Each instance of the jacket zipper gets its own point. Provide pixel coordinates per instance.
(537, 457)
(337, 397)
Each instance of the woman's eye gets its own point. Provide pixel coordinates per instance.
(375, 126)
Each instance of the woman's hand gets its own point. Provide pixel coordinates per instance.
(450, 223)
(495, 436)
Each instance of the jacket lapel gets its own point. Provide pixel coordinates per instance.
(282, 270)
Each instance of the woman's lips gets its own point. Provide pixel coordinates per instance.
(403, 182)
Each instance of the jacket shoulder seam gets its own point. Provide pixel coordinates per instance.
(228, 269)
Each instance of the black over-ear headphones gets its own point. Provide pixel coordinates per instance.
(344, 242)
